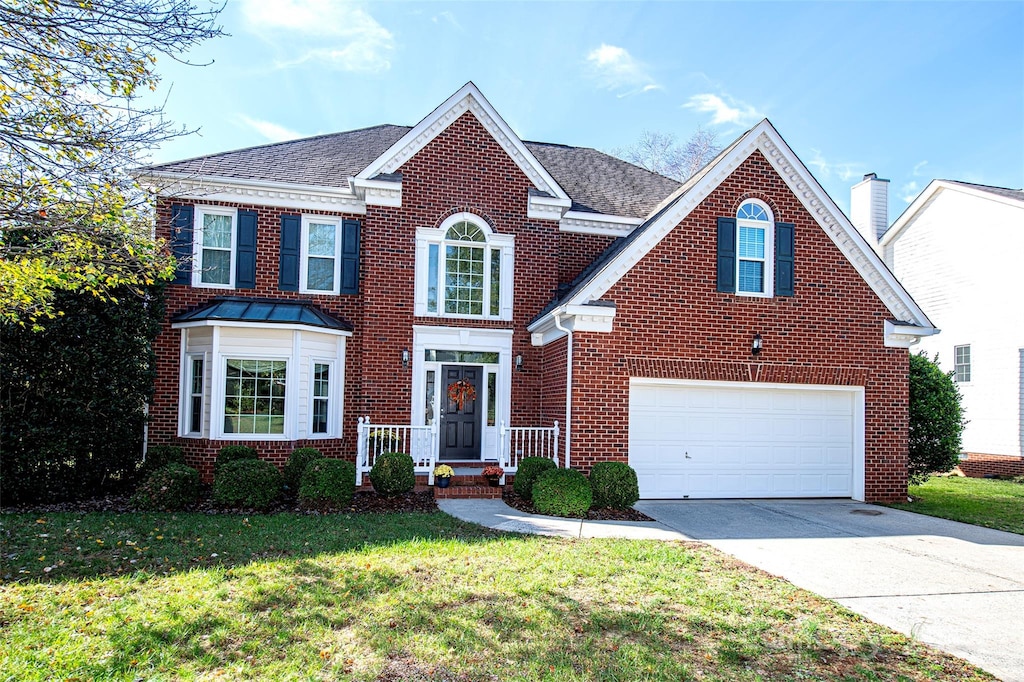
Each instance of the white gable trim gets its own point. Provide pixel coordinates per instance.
(582, 222)
(255, 192)
(468, 98)
(934, 188)
(765, 138)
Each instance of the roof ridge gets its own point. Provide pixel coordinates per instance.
(978, 184)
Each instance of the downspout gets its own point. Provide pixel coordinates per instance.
(568, 390)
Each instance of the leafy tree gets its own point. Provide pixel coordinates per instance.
(73, 395)
(72, 217)
(660, 153)
(936, 419)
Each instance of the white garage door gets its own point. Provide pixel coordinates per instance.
(699, 440)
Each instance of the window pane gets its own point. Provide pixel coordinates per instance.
(495, 281)
(751, 242)
(432, 278)
(492, 397)
(428, 412)
(320, 274)
(196, 395)
(466, 232)
(751, 276)
(321, 239)
(216, 267)
(464, 280)
(245, 379)
(751, 211)
(468, 356)
(216, 231)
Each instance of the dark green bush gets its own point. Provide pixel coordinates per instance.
(247, 483)
(529, 469)
(233, 453)
(328, 482)
(562, 492)
(170, 488)
(936, 420)
(614, 485)
(296, 466)
(159, 456)
(393, 474)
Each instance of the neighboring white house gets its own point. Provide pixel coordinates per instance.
(959, 250)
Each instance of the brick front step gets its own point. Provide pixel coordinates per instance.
(467, 492)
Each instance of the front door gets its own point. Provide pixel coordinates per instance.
(460, 412)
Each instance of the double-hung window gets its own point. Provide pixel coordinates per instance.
(463, 269)
(962, 363)
(320, 423)
(214, 247)
(753, 250)
(254, 396)
(755, 254)
(196, 385)
(321, 257)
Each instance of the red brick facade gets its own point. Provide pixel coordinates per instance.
(670, 320)
(980, 466)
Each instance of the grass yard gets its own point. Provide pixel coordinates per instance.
(409, 596)
(978, 501)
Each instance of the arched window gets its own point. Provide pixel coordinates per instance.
(754, 246)
(463, 269)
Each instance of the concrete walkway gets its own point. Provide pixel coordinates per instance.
(956, 587)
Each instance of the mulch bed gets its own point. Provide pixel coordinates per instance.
(512, 499)
(364, 502)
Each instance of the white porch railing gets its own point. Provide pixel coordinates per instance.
(419, 442)
(517, 442)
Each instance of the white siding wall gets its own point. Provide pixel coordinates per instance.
(961, 260)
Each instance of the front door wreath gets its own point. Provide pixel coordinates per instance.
(461, 391)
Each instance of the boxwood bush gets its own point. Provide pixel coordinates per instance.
(529, 469)
(614, 485)
(393, 474)
(562, 492)
(328, 482)
(296, 466)
(159, 456)
(232, 453)
(247, 483)
(170, 488)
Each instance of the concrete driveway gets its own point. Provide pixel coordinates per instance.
(957, 587)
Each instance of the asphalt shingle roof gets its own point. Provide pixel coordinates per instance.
(595, 181)
(1017, 194)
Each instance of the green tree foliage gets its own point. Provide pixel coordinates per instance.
(73, 395)
(72, 218)
(936, 419)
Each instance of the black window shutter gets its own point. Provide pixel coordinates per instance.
(784, 259)
(291, 236)
(727, 255)
(245, 251)
(349, 257)
(181, 242)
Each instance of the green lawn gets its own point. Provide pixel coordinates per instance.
(388, 597)
(979, 501)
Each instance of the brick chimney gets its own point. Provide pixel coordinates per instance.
(869, 208)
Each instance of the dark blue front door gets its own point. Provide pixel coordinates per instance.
(460, 414)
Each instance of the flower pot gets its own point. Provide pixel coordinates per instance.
(443, 481)
(493, 481)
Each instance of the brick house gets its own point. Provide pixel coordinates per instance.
(456, 293)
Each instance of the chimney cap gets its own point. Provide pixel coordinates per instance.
(873, 176)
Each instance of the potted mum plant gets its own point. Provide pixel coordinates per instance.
(443, 475)
(493, 474)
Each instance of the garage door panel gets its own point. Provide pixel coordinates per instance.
(741, 442)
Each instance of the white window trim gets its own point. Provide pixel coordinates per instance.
(333, 416)
(197, 246)
(769, 250)
(187, 431)
(220, 377)
(969, 364)
(426, 236)
(304, 253)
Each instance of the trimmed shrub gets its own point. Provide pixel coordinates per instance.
(247, 483)
(328, 482)
(393, 474)
(936, 420)
(170, 488)
(233, 453)
(296, 466)
(614, 485)
(562, 492)
(529, 469)
(159, 456)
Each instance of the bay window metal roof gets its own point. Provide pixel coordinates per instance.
(263, 310)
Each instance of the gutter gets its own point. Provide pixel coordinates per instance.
(568, 389)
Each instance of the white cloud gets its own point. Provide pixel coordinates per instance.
(449, 17)
(918, 167)
(731, 111)
(844, 170)
(340, 35)
(615, 69)
(272, 131)
(910, 190)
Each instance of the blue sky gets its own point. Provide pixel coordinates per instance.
(909, 90)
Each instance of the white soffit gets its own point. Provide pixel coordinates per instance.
(256, 192)
(765, 138)
(467, 98)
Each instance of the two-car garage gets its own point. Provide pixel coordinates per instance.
(702, 439)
